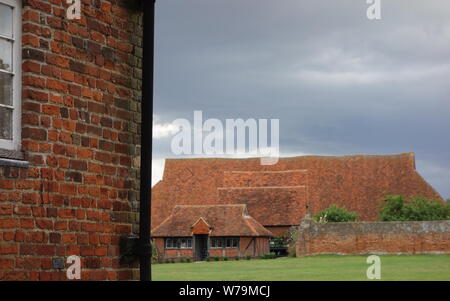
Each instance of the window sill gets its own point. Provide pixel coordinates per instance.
(12, 158)
(13, 163)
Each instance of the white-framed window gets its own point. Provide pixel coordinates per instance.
(10, 74)
(171, 243)
(231, 242)
(179, 243)
(224, 242)
(186, 243)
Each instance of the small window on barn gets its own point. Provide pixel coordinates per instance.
(232, 242)
(10, 75)
(217, 242)
(185, 243)
(171, 243)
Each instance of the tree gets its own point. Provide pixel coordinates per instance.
(395, 208)
(336, 214)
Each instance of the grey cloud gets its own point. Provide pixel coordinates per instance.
(339, 83)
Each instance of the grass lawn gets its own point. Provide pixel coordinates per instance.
(320, 267)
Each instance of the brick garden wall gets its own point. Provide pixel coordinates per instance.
(80, 128)
(373, 237)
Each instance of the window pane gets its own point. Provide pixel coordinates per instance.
(5, 55)
(5, 89)
(5, 123)
(6, 20)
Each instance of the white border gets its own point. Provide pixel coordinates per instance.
(15, 144)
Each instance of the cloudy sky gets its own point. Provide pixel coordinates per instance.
(339, 83)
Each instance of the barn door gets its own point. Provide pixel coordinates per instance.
(201, 247)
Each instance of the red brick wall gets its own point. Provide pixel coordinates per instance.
(373, 238)
(163, 253)
(81, 83)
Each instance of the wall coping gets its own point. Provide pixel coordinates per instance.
(313, 228)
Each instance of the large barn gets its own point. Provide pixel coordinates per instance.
(276, 196)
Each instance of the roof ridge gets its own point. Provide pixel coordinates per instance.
(254, 187)
(212, 205)
(198, 220)
(163, 222)
(266, 171)
(293, 157)
(246, 220)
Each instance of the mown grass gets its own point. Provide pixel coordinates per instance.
(321, 267)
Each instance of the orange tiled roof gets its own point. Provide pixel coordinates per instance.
(283, 193)
(223, 220)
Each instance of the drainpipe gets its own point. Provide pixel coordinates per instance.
(146, 140)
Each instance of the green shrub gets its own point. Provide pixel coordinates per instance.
(155, 257)
(207, 259)
(335, 214)
(248, 257)
(268, 256)
(237, 258)
(188, 260)
(395, 208)
(182, 259)
(216, 258)
(291, 239)
(225, 258)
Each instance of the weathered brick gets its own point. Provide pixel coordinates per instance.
(33, 54)
(73, 139)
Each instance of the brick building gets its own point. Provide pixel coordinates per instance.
(279, 196)
(200, 231)
(69, 137)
